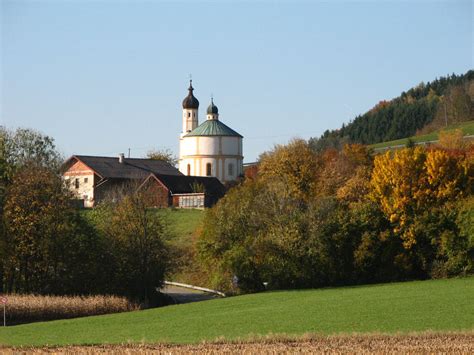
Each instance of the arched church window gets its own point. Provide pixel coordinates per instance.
(231, 169)
(208, 169)
(189, 114)
(189, 169)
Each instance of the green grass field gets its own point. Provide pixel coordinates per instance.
(183, 226)
(182, 223)
(466, 127)
(438, 305)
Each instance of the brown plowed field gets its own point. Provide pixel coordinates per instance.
(457, 343)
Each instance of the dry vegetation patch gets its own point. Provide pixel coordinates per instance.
(423, 343)
(35, 308)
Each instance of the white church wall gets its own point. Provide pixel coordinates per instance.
(182, 166)
(218, 151)
(209, 146)
(188, 146)
(230, 145)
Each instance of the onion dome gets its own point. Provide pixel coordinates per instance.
(190, 102)
(212, 109)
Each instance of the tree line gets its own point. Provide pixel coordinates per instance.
(47, 246)
(425, 108)
(309, 218)
(342, 217)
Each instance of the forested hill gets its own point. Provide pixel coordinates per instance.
(424, 108)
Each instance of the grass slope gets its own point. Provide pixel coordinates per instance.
(183, 226)
(466, 127)
(182, 223)
(439, 305)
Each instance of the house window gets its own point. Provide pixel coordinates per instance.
(76, 183)
(189, 169)
(86, 180)
(208, 169)
(231, 169)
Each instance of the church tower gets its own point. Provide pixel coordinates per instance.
(211, 148)
(190, 111)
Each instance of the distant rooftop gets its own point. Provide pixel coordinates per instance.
(130, 168)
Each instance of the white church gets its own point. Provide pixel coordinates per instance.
(210, 148)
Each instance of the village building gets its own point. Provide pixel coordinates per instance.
(211, 148)
(92, 179)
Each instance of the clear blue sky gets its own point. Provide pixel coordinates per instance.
(104, 76)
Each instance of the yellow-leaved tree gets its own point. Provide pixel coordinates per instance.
(410, 181)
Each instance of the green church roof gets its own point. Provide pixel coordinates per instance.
(213, 128)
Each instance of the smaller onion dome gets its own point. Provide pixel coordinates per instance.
(212, 109)
(190, 102)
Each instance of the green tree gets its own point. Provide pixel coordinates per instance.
(25, 146)
(47, 247)
(135, 235)
(163, 154)
(20, 148)
(3, 186)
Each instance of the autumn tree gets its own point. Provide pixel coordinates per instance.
(408, 182)
(453, 140)
(294, 165)
(338, 167)
(356, 187)
(335, 218)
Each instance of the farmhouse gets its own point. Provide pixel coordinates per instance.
(93, 178)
